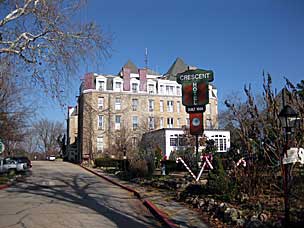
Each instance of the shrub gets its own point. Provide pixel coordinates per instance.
(108, 162)
(138, 168)
(218, 181)
(172, 166)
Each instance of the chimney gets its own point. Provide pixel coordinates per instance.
(126, 78)
(143, 79)
(89, 81)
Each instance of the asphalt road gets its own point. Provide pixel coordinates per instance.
(59, 194)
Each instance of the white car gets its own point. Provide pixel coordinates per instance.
(9, 165)
(52, 158)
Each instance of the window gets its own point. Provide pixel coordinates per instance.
(134, 87)
(161, 122)
(187, 122)
(170, 106)
(134, 142)
(208, 124)
(178, 90)
(220, 141)
(99, 143)
(151, 88)
(118, 86)
(100, 103)
(135, 122)
(171, 90)
(173, 141)
(151, 122)
(117, 103)
(101, 85)
(151, 105)
(178, 106)
(170, 122)
(117, 122)
(167, 89)
(134, 104)
(161, 106)
(100, 121)
(161, 89)
(178, 122)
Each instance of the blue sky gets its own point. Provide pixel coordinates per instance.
(236, 39)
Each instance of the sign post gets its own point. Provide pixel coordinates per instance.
(195, 96)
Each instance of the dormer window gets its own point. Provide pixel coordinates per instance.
(101, 85)
(134, 87)
(151, 88)
(118, 86)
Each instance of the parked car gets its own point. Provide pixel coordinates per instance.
(52, 158)
(24, 159)
(10, 165)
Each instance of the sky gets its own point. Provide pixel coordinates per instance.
(237, 39)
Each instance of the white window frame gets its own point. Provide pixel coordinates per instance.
(134, 89)
(101, 85)
(170, 122)
(134, 104)
(118, 88)
(151, 88)
(151, 122)
(117, 123)
(161, 106)
(170, 105)
(135, 122)
(151, 105)
(100, 122)
(100, 103)
(161, 122)
(117, 103)
(99, 143)
(161, 89)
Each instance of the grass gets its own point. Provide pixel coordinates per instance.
(3, 180)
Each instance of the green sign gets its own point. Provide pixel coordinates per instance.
(195, 91)
(197, 75)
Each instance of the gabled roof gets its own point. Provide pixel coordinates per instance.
(131, 66)
(177, 67)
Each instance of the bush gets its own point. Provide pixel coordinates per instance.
(138, 168)
(218, 181)
(109, 162)
(172, 166)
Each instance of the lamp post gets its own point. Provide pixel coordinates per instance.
(125, 158)
(288, 118)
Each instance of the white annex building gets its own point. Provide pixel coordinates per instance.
(170, 139)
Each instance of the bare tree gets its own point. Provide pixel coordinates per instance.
(46, 41)
(47, 133)
(15, 110)
(261, 133)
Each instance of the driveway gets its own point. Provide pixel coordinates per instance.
(60, 194)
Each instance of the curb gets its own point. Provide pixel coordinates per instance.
(4, 186)
(154, 210)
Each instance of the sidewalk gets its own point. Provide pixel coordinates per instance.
(177, 213)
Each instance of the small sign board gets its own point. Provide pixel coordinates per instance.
(194, 109)
(294, 155)
(198, 75)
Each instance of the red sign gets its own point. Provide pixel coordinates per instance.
(196, 123)
(195, 94)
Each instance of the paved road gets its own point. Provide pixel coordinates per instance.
(59, 194)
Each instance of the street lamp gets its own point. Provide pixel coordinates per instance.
(288, 118)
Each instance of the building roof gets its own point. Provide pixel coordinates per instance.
(130, 65)
(177, 67)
